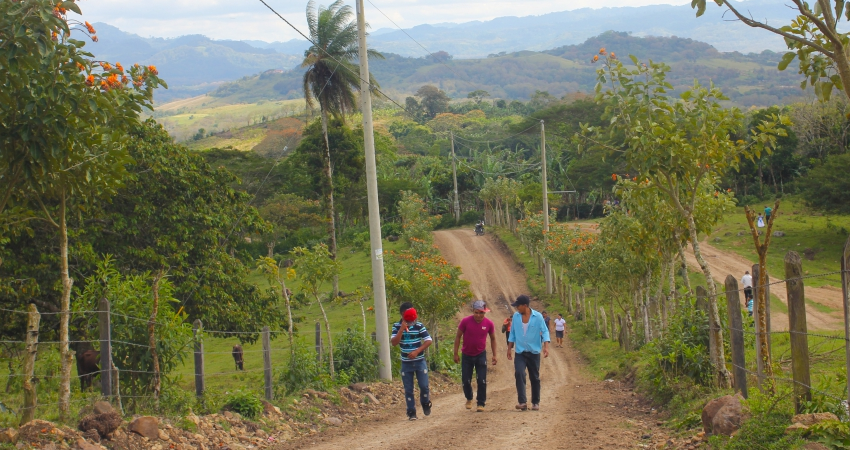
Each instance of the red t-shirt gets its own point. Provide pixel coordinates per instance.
(475, 335)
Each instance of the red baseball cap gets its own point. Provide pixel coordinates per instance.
(409, 315)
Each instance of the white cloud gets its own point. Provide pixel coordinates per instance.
(249, 19)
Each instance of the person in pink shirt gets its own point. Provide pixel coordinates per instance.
(473, 331)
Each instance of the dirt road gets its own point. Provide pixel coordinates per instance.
(576, 413)
(725, 263)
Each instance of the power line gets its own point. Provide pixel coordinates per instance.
(372, 87)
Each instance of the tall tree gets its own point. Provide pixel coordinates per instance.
(331, 80)
(681, 146)
(64, 119)
(814, 39)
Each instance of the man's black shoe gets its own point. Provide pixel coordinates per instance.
(411, 414)
(427, 409)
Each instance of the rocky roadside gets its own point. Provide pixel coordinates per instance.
(101, 427)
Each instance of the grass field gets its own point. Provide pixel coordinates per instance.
(822, 236)
(183, 118)
(221, 375)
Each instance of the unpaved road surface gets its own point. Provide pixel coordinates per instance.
(576, 412)
(724, 263)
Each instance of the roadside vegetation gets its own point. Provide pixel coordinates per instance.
(266, 225)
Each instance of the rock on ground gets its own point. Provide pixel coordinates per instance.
(722, 415)
(146, 426)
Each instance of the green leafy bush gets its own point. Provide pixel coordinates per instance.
(244, 403)
(832, 433)
(356, 356)
(678, 357)
(304, 372)
(391, 229)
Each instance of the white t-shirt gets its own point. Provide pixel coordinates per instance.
(747, 281)
(559, 324)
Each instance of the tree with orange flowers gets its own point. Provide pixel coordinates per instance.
(64, 123)
(331, 79)
(428, 281)
(682, 146)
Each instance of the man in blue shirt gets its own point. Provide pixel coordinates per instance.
(412, 337)
(530, 336)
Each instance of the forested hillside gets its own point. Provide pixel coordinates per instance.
(748, 80)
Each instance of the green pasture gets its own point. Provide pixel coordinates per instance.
(821, 236)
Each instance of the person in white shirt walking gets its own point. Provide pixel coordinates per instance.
(747, 282)
(560, 326)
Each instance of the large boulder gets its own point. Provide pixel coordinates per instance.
(722, 415)
(146, 426)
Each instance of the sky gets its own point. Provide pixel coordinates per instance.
(250, 20)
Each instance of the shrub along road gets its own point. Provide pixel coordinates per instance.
(575, 411)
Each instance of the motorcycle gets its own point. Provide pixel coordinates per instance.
(479, 230)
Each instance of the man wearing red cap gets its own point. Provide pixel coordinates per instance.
(412, 337)
(473, 330)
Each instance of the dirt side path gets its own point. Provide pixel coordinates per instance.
(576, 413)
(725, 263)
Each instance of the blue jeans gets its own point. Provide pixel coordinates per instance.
(531, 362)
(479, 363)
(420, 369)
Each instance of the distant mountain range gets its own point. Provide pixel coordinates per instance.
(195, 64)
(748, 80)
(191, 65)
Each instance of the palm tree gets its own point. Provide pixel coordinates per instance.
(331, 79)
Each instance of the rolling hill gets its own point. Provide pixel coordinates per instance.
(748, 80)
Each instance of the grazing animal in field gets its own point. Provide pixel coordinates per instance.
(237, 357)
(87, 367)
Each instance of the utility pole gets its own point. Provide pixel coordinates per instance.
(547, 270)
(454, 178)
(377, 253)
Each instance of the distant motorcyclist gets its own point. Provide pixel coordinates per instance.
(479, 227)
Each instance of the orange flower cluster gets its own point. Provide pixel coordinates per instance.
(602, 51)
(152, 69)
(111, 82)
(90, 28)
(90, 80)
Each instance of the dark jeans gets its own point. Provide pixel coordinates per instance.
(530, 361)
(479, 363)
(420, 369)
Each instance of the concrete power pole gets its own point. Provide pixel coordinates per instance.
(454, 178)
(378, 287)
(547, 269)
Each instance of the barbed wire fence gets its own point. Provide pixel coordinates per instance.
(823, 346)
(110, 371)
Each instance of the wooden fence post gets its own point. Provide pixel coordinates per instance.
(845, 290)
(702, 299)
(736, 334)
(318, 342)
(759, 331)
(200, 385)
(30, 394)
(104, 325)
(797, 327)
(267, 363)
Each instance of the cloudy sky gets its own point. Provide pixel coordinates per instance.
(249, 19)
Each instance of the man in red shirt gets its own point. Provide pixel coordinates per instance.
(473, 330)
